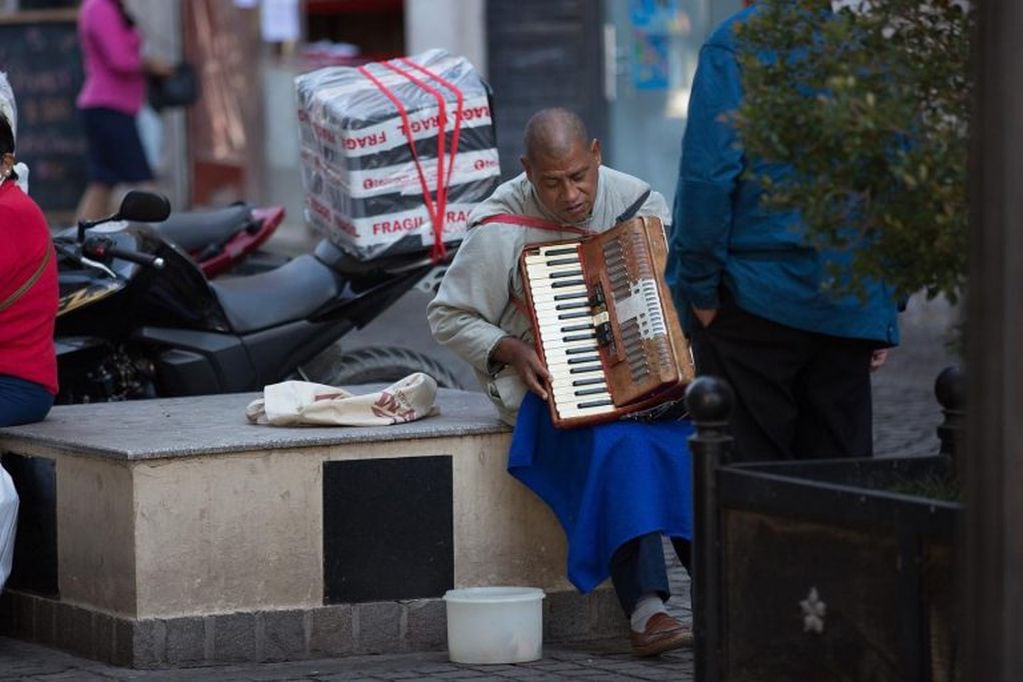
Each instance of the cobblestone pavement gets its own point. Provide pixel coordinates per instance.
(906, 413)
(906, 416)
(594, 661)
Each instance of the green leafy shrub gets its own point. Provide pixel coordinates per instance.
(870, 106)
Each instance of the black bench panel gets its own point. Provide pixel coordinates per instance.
(35, 545)
(387, 529)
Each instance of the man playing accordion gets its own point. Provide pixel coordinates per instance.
(616, 487)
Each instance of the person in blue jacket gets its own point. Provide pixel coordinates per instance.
(749, 290)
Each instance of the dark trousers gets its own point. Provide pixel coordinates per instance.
(637, 568)
(22, 402)
(798, 395)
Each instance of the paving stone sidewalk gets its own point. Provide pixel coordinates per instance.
(906, 416)
(906, 412)
(594, 661)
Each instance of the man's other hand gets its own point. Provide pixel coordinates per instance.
(520, 355)
(877, 358)
(705, 315)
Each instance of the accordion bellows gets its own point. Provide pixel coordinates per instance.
(604, 323)
(370, 138)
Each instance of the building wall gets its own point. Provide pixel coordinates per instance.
(160, 23)
(655, 60)
(455, 25)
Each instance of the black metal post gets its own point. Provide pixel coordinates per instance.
(709, 401)
(989, 554)
(950, 390)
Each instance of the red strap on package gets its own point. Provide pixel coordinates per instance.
(443, 182)
(430, 207)
(459, 107)
(436, 210)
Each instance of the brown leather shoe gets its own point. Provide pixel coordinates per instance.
(662, 633)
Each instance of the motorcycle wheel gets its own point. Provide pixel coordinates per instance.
(374, 365)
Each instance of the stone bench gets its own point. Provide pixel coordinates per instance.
(172, 532)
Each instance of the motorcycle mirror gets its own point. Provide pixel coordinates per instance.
(144, 207)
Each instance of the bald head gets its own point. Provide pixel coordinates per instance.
(554, 133)
(562, 164)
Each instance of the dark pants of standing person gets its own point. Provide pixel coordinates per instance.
(798, 394)
(637, 568)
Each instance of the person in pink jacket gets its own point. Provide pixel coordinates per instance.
(110, 99)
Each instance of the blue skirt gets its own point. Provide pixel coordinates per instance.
(114, 147)
(606, 484)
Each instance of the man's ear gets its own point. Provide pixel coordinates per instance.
(526, 167)
(595, 150)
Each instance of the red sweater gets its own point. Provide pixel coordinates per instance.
(26, 328)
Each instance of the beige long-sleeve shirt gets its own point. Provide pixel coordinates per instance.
(474, 307)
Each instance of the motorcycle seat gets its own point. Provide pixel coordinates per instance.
(193, 230)
(285, 294)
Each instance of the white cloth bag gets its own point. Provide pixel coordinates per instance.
(293, 403)
(8, 524)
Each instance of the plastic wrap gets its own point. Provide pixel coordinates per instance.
(374, 182)
(8, 107)
(8, 524)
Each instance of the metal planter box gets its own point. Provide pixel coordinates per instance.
(829, 572)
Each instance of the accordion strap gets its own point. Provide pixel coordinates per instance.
(633, 209)
(520, 305)
(535, 223)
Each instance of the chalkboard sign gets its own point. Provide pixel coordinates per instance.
(40, 53)
(543, 54)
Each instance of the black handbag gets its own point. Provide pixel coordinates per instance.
(180, 89)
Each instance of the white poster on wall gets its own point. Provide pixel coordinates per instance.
(279, 20)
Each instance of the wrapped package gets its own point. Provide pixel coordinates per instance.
(395, 154)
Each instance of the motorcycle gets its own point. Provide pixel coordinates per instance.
(227, 239)
(139, 319)
(230, 239)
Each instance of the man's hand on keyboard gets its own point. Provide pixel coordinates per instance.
(523, 357)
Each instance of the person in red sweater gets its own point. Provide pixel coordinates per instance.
(28, 296)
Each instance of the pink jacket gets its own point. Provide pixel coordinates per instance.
(112, 53)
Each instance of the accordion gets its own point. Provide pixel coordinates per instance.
(604, 323)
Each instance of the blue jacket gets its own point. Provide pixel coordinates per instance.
(723, 236)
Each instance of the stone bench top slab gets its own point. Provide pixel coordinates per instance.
(212, 424)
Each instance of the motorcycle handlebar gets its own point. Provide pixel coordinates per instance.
(136, 257)
(102, 249)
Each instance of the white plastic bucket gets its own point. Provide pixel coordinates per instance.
(490, 625)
